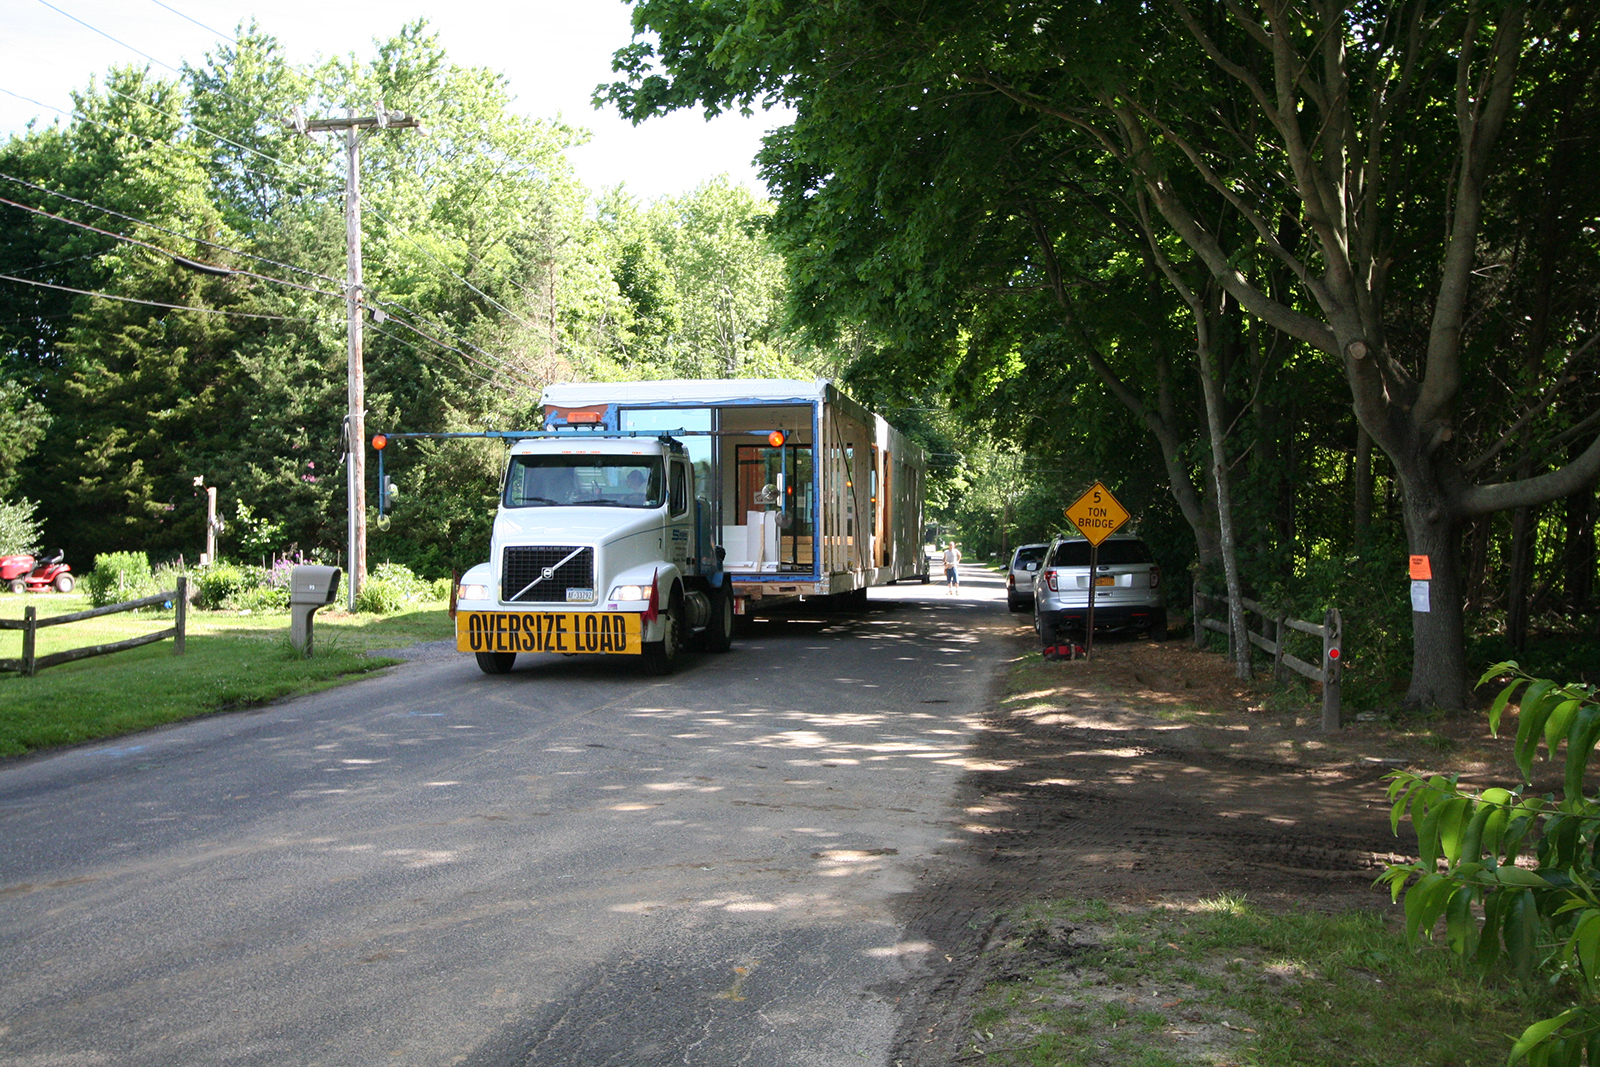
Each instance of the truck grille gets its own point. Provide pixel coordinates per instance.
(524, 565)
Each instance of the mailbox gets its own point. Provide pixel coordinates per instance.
(310, 588)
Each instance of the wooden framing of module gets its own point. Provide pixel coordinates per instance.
(1331, 631)
(31, 664)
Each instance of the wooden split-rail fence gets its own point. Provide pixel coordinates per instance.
(30, 623)
(1331, 631)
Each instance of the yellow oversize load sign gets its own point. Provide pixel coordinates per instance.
(1096, 514)
(548, 631)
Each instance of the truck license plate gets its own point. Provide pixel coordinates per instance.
(548, 631)
(1106, 580)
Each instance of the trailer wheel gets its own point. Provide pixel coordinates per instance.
(719, 631)
(661, 657)
(495, 662)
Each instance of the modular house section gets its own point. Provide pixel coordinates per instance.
(808, 493)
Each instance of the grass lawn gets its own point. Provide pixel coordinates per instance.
(232, 660)
(1084, 984)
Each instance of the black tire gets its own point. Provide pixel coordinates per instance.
(1015, 605)
(17, 585)
(925, 577)
(63, 583)
(661, 657)
(495, 662)
(719, 631)
(1158, 629)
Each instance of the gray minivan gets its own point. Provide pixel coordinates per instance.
(1019, 576)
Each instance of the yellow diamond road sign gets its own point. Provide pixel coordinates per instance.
(1096, 514)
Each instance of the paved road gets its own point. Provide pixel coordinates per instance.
(570, 865)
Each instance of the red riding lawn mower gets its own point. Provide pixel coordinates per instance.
(26, 573)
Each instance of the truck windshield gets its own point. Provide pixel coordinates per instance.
(584, 480)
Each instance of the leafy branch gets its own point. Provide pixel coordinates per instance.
(1539, 914)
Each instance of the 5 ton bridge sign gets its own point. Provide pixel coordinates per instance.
(1096, 514)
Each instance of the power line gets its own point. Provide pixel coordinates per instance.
(196, 21)
(195, 153)
(155, 303)
(183, 261)
(299, 184)
(168, 66)
(435, 259)
(162, 229)
(303, 185)
(505, 366)
(110, 38)
(492, 382)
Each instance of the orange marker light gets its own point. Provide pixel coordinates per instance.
(378, 441)
(776, 438)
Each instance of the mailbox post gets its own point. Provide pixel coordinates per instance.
(310, 588)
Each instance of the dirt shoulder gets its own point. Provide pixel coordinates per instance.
(1148, 774)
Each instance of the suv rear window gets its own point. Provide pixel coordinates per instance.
(1029, 555)
(1075, 553)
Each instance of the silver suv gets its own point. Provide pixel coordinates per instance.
(1127, 588)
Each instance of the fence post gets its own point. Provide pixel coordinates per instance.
(181, 612)
(1332, 667)
(30, 627)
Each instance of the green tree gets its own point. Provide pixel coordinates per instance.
(1329, 167)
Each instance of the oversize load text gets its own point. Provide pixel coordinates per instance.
(547, 631)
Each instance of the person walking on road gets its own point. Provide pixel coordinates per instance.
(952, 580)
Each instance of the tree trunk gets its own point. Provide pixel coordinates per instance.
(1438, 646)
(1361, 490)
(1578, 557)
(1519, 576)
(1216, 422)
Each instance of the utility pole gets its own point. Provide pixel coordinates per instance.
(355, 420)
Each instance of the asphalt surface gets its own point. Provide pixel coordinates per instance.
(573, 864)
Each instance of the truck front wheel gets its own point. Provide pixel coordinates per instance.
(661, 657)
(495, 662)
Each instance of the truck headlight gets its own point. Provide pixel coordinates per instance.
(629, 592)
(473, 592)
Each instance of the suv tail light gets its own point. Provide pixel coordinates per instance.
(1155, 576)
(1050, 580)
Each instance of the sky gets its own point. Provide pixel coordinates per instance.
(553, 53)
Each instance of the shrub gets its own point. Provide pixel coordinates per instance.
(380, 597)
(261, 599)
(120, 576)
(215, 584)
(392, 587)
(1543, 922)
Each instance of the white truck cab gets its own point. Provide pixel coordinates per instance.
(600, 546)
